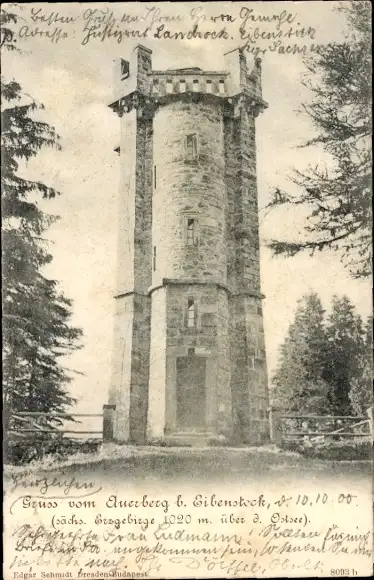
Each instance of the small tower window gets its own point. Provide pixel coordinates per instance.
(169, 86)
(195, 85)
(182, 86)
(208, 86)
(125, 69)
(221, 86)
(191, 313)
(154, 177)
(192, 237)
(156, 87)
(154, 258)
(191, 147)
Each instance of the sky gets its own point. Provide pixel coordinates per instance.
(75, 82)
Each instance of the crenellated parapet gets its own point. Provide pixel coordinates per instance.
(139, 87)
(189, 80)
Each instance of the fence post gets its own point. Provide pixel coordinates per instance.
(109, 412)
(275, 424)
(369, 413)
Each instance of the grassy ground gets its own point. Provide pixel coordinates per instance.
(201, 464)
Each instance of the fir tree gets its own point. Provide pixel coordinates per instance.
(361, 385)
(36, 315)
(325, 366)
(338, 199)
(344, 352)
(298, 381)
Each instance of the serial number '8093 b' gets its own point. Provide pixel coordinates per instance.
(343, 572)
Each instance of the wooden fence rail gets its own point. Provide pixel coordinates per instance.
(55, 431)
(317, 427)
(323, 417)
(41, 414)
(30, 418)
(324, 434)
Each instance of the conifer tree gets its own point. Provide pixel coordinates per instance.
(325, 366)
(299, 383)
(344, 352)
(361, 386)
(36, 315)
(337, 191)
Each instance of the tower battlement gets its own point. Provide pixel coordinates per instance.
(189, 351)
(135, 78)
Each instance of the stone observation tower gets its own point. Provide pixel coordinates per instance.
(189, 354)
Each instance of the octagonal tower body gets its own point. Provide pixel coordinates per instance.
(189, 354)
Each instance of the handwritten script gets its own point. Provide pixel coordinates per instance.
(256, 30)
(134, 534)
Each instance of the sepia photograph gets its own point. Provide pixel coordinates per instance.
(187, 289)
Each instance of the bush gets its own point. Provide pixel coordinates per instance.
(168, 443)
(287, 445)
(332, 450)
(341, 450)
(218, 442)
(19, 451)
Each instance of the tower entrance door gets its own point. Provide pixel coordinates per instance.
(191, 372)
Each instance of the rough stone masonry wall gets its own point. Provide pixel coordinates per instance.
(157, 367)
(248, 368)
(258, 426)
(210, 338)
(142, 281)
(194, 189)
(120, 386)
(143, 206)
(126, 205)
(232, 166)
(129, 390)
(248, 371)
(212, 316)
(258, 391)
(247, 229)
(239, 375)
(225, 410)
(189, 189)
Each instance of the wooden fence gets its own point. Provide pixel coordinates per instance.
(38, 422)
(283, 427)
(318, 428)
